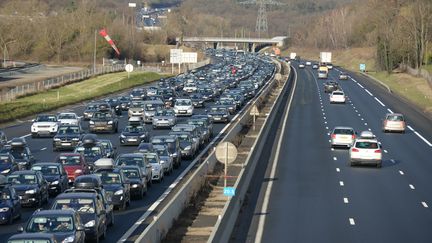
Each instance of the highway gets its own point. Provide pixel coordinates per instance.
(309, 193)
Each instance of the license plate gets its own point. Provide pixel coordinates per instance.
(132, 140)
(66, 144)
(217, 118)
(70, 180)
(182, 111)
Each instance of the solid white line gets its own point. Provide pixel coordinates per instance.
(354, 80)
(346, 200)
(379, 101)
(412, 186)
(352, 222)
(401, 172)
(367, 91)
(424, 139)
(334, 158)
(410, 128)
(341, 183)
(264, 208)
(390, 111)
(337, 170)
(42, 149)
(27, 135)
(425, 204)
(360, 85)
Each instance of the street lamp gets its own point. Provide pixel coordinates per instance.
(5, 50)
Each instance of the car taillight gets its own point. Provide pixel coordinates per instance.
(403, 124)
(385, 122)
(333, 136)
(354, 150)
(353, 136)
(378, 151)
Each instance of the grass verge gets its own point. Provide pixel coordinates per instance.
(73, 93)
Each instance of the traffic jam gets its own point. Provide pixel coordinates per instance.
(118, 148)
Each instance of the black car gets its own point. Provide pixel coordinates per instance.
(134, 135)
(136, 159)
(90, 110)
(138, 182)
(10, 206)
(110, 149)
(331, 86)
(207, 93)
(55, 175)
(104, 121)
(229, 103)
(124, 102)
(7, 164)
(91, 148)
(19, 149)
(93, 184)
(173, 144)
(67, 137)
(219, 113)
(31, 187)
(90, 209)
(197, 99)
(32, 237)
(203, 128)
(65, 225)
(116, 186)
(115, 105)
(186, 144)
(137, 94)
(169, 96)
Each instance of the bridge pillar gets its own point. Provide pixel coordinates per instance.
(251, 47)
(215, 45)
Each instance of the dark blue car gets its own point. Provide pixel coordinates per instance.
(10, 206)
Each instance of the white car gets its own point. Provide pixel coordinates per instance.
(337, 97)
(183, 107)
(190, 87)
(366, 150)
(165, 159)
(157, 168)
(44, 125)
(343, 136)
(68, 118)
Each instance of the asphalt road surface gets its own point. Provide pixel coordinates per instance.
(316, 196)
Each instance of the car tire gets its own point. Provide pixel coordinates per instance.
(379, 165)
(40, 201)
(352, 163)
(103, 236)
(97, 237)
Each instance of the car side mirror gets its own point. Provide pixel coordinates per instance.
(80, 228)
(33, 120)
(20, 229)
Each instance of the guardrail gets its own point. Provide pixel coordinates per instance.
(164, 220)
(227, 220)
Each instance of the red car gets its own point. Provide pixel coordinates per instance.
(74, 164)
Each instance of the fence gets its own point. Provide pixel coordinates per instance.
(415, 72)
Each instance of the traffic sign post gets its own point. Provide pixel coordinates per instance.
(254, 112)
(129, 69)
(226, 153)
(362, 67)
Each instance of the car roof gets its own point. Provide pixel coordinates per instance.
(54, 211)
(24, 172)
(372, 140)
(341, 127)
(130, 155)
(394, 114)
(76, 195)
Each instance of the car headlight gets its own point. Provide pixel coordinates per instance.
(134, 186)
(162, 161)
(5, 171)
(188, 148)
(2, 210)
(119, 192)
(110, 122)
(122, 136)
(174, 154)
(32, 191)
(78, 171)
(57, 139)
(55, 182)
(91, 123)
(225, 115)
(69, 239)
(143, 136)
(90, 223)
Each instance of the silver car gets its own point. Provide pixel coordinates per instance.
(164, 118)
(150, 108)
(343, 136)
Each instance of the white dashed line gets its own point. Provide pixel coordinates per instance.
(424, 139)
(341, 183)
(401, 172)
(393, 161)
(332, 149)
(385, 151)
(329, 140)
(325, 122)
(425, 204)
(365, 123)
(379, 101)
(412, 186)
(334, 158)
(369, 129)
(325, 118)
(367, 91)
(352, 222)
(354, 80)
(42, 149)
(328, 134)
(362, 119)
(359, 115)
(346, 200)
(337, 170)
(389, 110)
(327, 128)
(356, 111)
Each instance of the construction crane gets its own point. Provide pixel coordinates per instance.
(261, 22)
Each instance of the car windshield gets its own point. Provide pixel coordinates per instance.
(183, 137)
(46, 118)
(344, 131)
(92, 107)
(366, 145)
(69, 160)
(18, 152)
(152, 159)
(196, 122)
(82, 205)
(130, 161)
(338, 93)
(89, 151)
(109, 178)
(134, 129)
(4, 160)
(50, 224)
(46, 169)
(150, 107)
(218, 109)
(22, 179)
(66, 116)
(395, 118)
(183, 102)
(131, 173)
(165, 113)
(4, 194)
(68, 130)
(102, 115)
(162, 152)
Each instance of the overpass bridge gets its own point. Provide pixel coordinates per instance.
(219, 41)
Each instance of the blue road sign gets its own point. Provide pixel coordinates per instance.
(362, 67)
(229, 191)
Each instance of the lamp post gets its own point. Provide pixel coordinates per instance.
(5, 50)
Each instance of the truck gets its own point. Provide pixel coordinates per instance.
(293, 55)
(325, 57)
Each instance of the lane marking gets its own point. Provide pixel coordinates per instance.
(412, 186)
(424, 139)
(385, 151)
(365, 123)
(401, 172)
(362, 119)
(352, 222)
(337, 170)
(327, 128)
(393, 161)
(369, 129)
(425, 204)
(325, 118)
(329, 140)
(390, 111)
(332, 149)
(341, 183)
(42, 149)
(367, 91)
(359, 115)
(334, 158)
(410, 128)
(345, 200)
(328, 134)
(27, 135)
(360, 85)
(325, 122)
(379, 101)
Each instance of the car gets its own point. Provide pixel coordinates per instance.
(173, 145)
(145, 147)
(68, 118)
(114, 104)
(203, 128)
(329, 66)
(183, 107)
(342, 136)
(32, 237)
(124, 102)
(135, 121)
(110, 149)
(31, 187)
(44, 125)
(136, 108)
(169, 95)
(190, 87)
(394, 122)
(90, 148)
(165, 158)
(301, 65)
(136, 159)
(331, 86)
(64, 225)
(89, 207)
(207, 120)
(151, 91)
(150, 108)
(218, 113)
(19, 149)
(93, 184)
(55, 175)
(315, 66)
(156, 166)
(343, 76)
(134, 135)
(137, 94)
(337, 97)
(308, 63)
(90, 110)
(74, 165)
(366, 150)
(116, 185)
(67, 137)
(229, 103)
(10, 206)
(164, 118)
(3, 139)
(7, 164)
(104, 121)
(322, 74)
(188, 147)
(138, 182)
(198, 99)
(194, 131)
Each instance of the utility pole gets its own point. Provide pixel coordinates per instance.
(94, 52)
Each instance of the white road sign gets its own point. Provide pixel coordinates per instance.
(129, 68)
